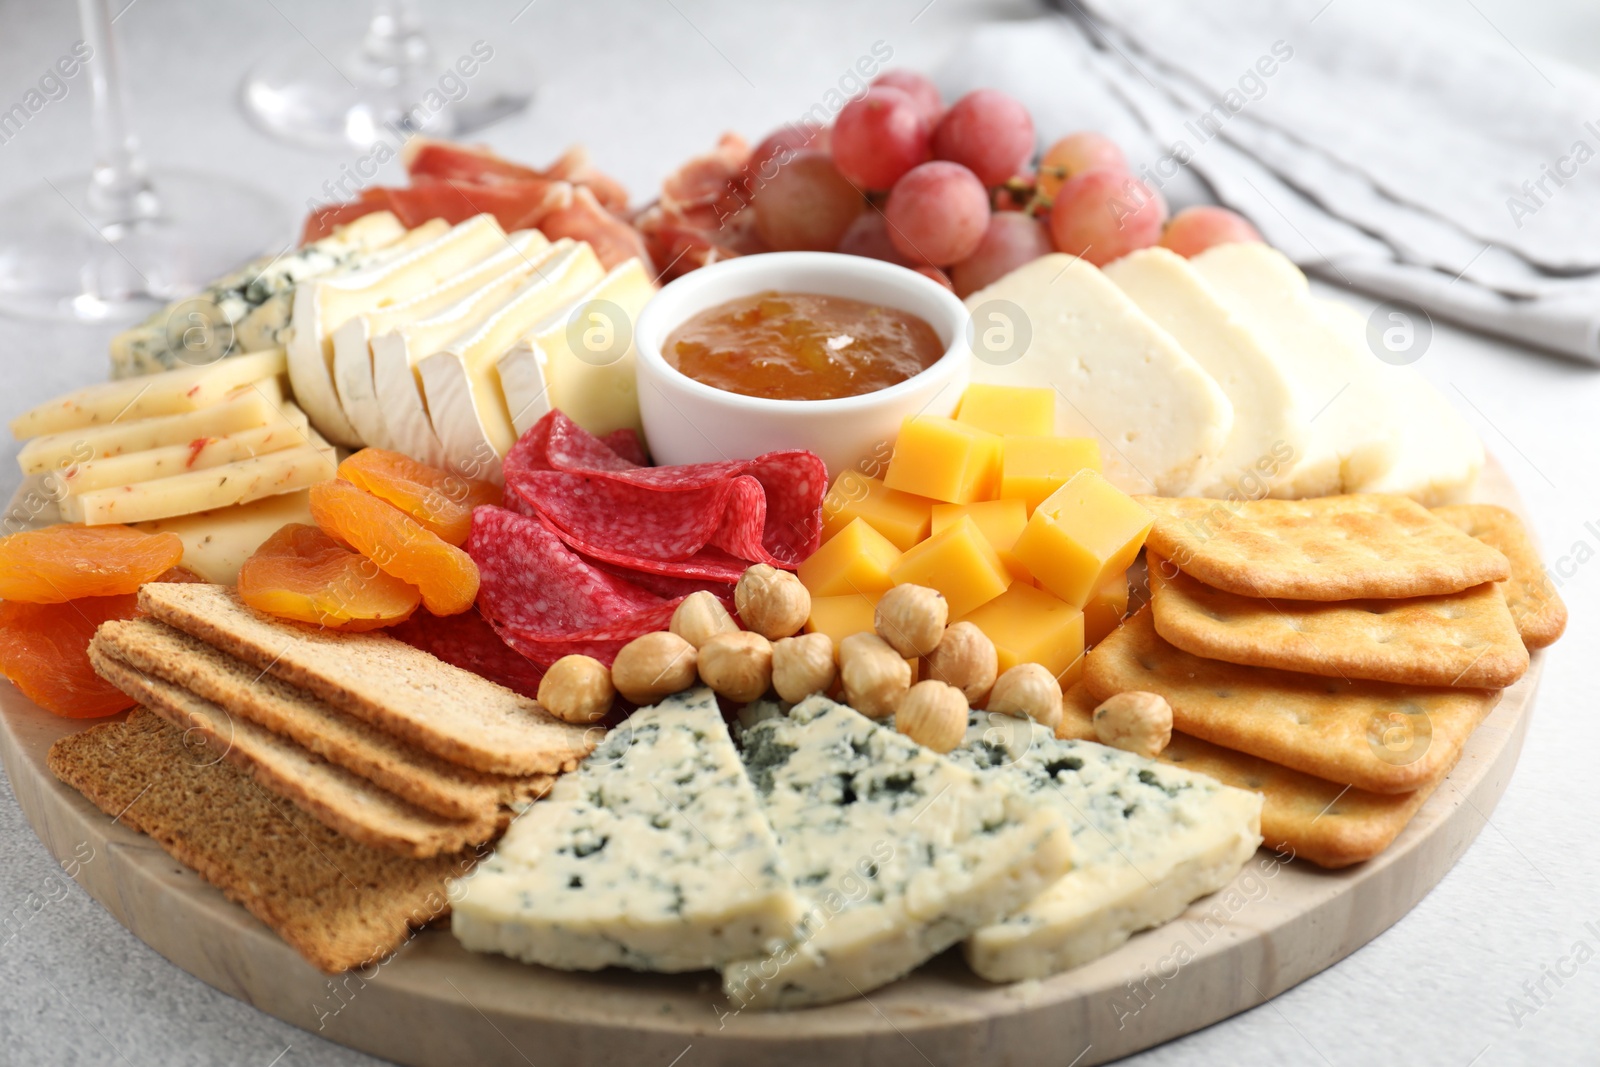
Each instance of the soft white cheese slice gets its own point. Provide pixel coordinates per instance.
(1119, 377)
(1270, 427)
(652, 855)
(1148, 839)
(901, 852)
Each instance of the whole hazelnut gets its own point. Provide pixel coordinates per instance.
(577, 689)
(875, 676)
(654, 666)
(1135, 722)
(802, 665)
(966, 659)
(700, 617)
(911, 618)
(933, 714)
(771, 602)
(737, 665)
(1028, 690)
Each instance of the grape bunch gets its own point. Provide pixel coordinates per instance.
(952, 192)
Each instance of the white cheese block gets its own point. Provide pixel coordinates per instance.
(321, 306)
(585, 355)
(352, 341)
(462, 383)
(1117, 376)
(1148, 839)
(652, 855)
(217, 542)
(396, 352)
(901, 853)
(1353, 416)
(201, 490)
(1270, 427)
(202, 453)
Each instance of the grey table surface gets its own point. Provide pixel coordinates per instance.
(1495, 966)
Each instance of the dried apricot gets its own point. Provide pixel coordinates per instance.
(66, 562)
(398, 544)
(301, 573)
(440, 500)
(44, 650)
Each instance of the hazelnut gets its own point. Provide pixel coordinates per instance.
(967, 660)
(911, 618)
(1135, 722)
(737, 665)
(802, 666)
(654, 666)
(771, 602)
(875, 676)
(700, 617)
(577, 689)
(1028, 690)
(933, 714)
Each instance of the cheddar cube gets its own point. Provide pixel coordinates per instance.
(1028, 625)
(841, 616)
(901, 517)
(945, 459)
(857, 559)
(1031, 468)
(1081, 535)
(1104, 611)
(1001, 522)
(960, 563)
(1009, 409)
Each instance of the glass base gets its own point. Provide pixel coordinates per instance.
(56, 264)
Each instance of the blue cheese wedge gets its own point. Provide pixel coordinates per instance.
(653, 855)
(1149, 839)
(900, 852)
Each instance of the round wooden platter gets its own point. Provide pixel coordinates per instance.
(437, 1004)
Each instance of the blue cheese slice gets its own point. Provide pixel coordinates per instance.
(653, 855)
(1149, 839)
(900, 852)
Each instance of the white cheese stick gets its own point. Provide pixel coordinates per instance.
(201, 453)
(202, 490)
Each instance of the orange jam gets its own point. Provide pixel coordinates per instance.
(802, 346)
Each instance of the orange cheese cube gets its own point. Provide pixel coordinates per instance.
(960, 563)
(1001, 522)
(1009, 409)
(945, 459)
(841, 616)
(1028, 625)
(855, 560)
(1105, 610)
(1081, 535)
(1031, 468)
(901, 517)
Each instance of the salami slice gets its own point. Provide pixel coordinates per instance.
(469, 642)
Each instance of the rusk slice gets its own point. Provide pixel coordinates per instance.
(1372, 735)
(1541, 616)
(1461, 639)
(452, 713)
(1332, 548)
(338, 903)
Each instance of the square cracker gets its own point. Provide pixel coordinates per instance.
(1372, 735)
(1535, 605)
(338, 903)
(1460, 639)
(1333, 548)
(1316, 820)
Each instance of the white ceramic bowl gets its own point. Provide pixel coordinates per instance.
(686, 421)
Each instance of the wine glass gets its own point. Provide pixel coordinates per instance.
(398, 81)
(124, 239)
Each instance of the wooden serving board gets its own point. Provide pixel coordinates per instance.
(1280, 922)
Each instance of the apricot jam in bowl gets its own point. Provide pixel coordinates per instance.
(810, 350)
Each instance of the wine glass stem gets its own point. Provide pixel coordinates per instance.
(394, 37)
(119, 191)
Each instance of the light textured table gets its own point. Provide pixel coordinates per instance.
(1484, 971)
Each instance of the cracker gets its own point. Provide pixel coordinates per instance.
(338, 903)
(1333, 548)
(1535, 605)
(402, 690)
(1309, 818)
(349, 804)
(408, 772)
(1373, 735)
(1460, 639)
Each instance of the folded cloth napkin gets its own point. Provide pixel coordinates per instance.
(1425, 161)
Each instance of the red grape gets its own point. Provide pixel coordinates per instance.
(1011, 240)
(868, 236)
(937, 275)
(807, 205)
(1075, 154)
(937, 213)
(920, 88)
(1105, 214)
(1195, 229)
(878, 137)
(779, 148)
(987, 132)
